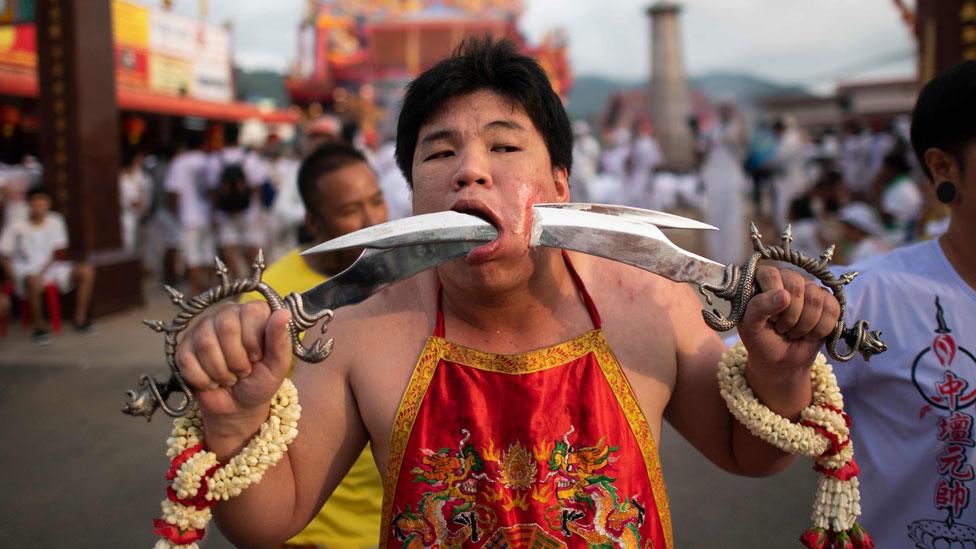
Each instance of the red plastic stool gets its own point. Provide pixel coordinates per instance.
(8, 291)
(53, 308)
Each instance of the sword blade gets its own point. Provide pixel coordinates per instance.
(656, 218)
(376, 269)
(620, 239)
(606, 231)
(427, 228)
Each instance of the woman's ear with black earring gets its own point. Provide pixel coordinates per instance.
(943, 168)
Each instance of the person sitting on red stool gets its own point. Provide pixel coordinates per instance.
(32, 252)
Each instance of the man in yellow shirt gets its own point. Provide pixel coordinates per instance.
(341, 194)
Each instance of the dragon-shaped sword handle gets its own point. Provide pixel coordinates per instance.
(739, 287)
(151, 394)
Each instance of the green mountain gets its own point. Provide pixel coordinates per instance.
(253, 86)
(746, 89)
(591, 93)
(587, 100)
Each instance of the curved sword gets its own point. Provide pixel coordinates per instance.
(661, 220)
(403, 248)
(456, 227)
(374, 270)
(627, 235)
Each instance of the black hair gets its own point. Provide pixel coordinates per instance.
(485, 64)
(194, 139)
(945, 114)
(37, 190)
(349, 131)
(801, 208)
(232, 134)
(897, 160)
(129, 153)
(324, 160)
(830, 179)
(829, 183)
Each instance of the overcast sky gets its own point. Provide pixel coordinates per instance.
(813, 43)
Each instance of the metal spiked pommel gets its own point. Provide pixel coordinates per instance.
(151, 394)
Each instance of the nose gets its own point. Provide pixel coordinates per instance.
(472, 170)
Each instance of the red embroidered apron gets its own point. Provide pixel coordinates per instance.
(542, 449)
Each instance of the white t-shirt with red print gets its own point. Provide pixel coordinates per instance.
(914, 406)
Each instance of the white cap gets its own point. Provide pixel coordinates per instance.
(863, 217)
(621, 136)
(580, 127)
(253, 133)
(326, 124)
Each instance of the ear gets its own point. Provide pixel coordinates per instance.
(310, 224)
(560, 178)
(942, 166)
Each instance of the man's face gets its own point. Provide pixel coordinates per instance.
(349, 199)
(483, 155)
(39, 205)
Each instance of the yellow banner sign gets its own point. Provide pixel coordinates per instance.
(170, 74)
(130, 24)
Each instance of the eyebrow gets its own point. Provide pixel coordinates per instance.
(449, 134)
(437, 136)
(506, 124)
(377, 194)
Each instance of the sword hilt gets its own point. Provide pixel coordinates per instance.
(152, 394)
(740, 286)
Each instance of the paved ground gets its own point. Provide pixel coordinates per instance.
(78, 472)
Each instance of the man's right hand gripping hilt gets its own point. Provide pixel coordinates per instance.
(151, 394)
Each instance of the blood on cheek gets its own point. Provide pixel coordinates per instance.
(527, 195)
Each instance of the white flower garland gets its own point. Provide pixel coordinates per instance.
(190, 513)
(823, 434)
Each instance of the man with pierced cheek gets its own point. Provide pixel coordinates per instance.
(514, 394)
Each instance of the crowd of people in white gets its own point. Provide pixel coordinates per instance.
(199, 225)
(862, 189)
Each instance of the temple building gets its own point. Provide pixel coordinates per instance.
(355, 56)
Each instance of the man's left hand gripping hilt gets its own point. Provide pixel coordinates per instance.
(152, 394)
(740, 287)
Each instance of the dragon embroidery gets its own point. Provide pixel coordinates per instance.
(466, 485)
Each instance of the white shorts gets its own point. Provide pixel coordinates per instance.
(240, 229)
(58, 273)
(198, 247)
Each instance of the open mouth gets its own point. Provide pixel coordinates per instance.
(479, 212)
(487, 251)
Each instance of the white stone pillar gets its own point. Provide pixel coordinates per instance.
(669, 94)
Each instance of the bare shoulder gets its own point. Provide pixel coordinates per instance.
(369, 331)
(645, 317)
(630, 291)
(377, 343)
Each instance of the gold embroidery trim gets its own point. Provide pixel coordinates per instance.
(523, 363)
(406, 414)
(621, 388)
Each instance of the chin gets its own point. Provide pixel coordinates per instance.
(498, 275)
